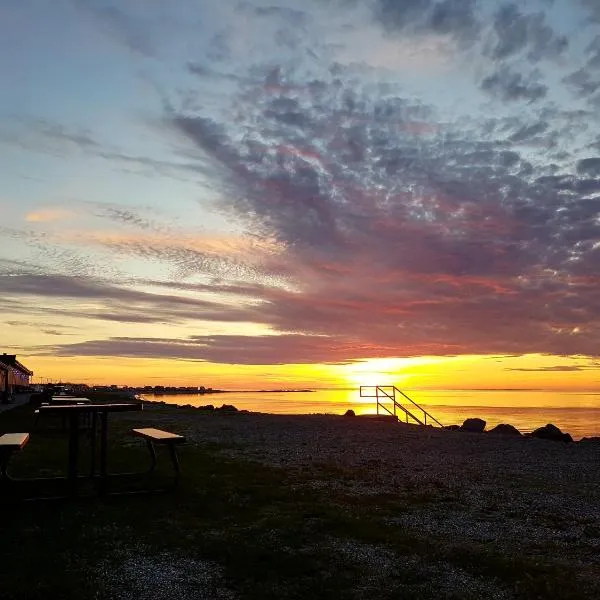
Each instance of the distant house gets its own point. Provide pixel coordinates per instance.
(13, 374)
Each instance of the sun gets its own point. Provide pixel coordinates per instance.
(374, 371)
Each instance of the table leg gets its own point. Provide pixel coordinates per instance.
(73, 449)
(93, 444)
(103, 449)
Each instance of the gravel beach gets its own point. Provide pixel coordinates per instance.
(510, 496)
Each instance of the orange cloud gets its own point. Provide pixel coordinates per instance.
(46, 215)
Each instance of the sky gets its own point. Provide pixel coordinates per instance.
(258, 193)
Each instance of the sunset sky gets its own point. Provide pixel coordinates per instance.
(251, 194)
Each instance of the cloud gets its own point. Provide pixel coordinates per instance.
(44, 135)
(557, 369)
(59, 140)
(453, 17)
(593, 53)
(589, 166)
(113, 302)
(390, 214)
(225, 349)
(593, 8)
(518, 33)
(583, 82)
(409, 239)
(510, 86)
(527, 132)
(123, 27)
(48, 215)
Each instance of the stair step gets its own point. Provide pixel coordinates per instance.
(386, 394)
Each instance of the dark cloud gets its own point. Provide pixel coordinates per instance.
(589, 166)
(593, 8)
(526, 133)
(557, 368)
(583, 82)
(513, 33)
(127, 216)
(509, 86)
(290, 15)
(114, 303)
(400, 238)
(518, 33)
(400, 14)
(225, 349)
(455, 17)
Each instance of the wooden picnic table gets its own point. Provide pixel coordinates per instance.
(97, 411)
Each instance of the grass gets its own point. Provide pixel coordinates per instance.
(266, 532)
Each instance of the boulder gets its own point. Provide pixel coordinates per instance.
(452, 427)
(505, 429)
(551, 432)
(349, 413)
(228, 408)
(476, 425)
(206, 407)
(590, 440)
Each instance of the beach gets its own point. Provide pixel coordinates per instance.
(508, 498)
(326, 506)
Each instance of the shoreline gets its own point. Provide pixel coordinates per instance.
(488, 430)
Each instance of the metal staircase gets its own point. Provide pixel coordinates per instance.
(389, 399)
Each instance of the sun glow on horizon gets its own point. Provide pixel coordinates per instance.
(383, 371)
(533, 372)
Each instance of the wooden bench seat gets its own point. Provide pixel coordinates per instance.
(13, 441)
(9, 444)
(158, 436)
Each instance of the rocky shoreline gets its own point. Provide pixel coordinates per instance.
(472, 425)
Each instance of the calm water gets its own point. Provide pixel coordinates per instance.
(577, 413)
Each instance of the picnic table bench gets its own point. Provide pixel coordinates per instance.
(158, 436)
(9, 444)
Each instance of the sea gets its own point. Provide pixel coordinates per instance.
(577, 413)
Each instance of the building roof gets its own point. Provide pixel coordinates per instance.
(10, 360)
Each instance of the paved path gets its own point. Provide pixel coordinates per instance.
(19, 399)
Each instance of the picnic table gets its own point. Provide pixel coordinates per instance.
(84, 410)
(74, 412)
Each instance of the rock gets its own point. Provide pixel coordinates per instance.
(349, 413)
(229, 408)
(551, 432)
(476, 425)
(206, 407)
(452, 427)
(505, 429)
(590, 440)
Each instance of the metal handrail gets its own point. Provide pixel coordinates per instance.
(426, 413)
(380, 390)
